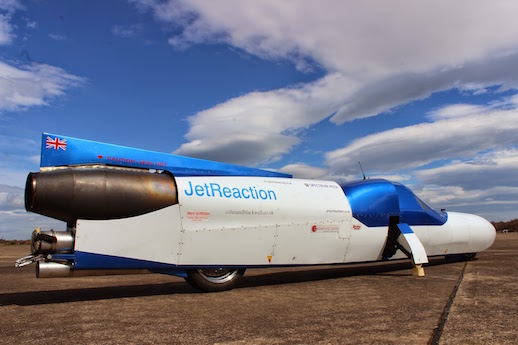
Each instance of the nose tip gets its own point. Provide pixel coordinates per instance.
(482, 233)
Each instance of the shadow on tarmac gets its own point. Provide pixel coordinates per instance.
(312, 273)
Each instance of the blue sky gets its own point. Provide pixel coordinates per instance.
(424, 93)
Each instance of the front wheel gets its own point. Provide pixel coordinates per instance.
(214, 279)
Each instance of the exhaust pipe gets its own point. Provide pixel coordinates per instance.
(52, 269)
(98, 193)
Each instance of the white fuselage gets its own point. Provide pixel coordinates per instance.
(261, 221)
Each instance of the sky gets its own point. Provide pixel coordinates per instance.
(424, 93)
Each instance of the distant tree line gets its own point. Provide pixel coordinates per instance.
(12, 242)
(511, 225)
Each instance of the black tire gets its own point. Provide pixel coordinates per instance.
(214, 279)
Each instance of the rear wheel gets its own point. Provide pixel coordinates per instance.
(214, 279)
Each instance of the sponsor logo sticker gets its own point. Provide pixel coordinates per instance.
(198, 216)
(325, 228)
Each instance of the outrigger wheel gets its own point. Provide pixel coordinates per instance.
(214, 279)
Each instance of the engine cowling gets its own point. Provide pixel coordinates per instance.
(98, 193)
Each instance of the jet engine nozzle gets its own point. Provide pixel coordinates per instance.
(97, 192)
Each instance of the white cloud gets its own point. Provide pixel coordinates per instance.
(33, 85)
(378, 55)
(19, 224)
(260, 126)
(496, 169)
(372, 98)
(304, 171)
(300, 170)
(16, 223)
(238, 148)
(11, 198)
(31, 24)
(27, 85)
(402, 178)
(57, 37)
(126, 31)
(450, 137)
(497, 203)
(10, 5)
(5, 29)
(7, 8)
(360, 38)
(457, 110)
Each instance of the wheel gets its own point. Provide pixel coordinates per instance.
(214, 279)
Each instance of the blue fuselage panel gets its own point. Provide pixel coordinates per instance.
(60, 150)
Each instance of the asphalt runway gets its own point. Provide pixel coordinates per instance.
(472, 302)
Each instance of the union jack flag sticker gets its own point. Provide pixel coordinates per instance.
(56, 143)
